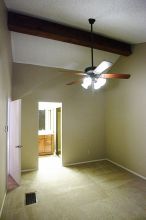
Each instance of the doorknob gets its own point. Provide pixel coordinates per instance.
(19, 146)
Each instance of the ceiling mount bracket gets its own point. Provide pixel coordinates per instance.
(91, 20)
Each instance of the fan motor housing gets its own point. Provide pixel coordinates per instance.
(89, 70)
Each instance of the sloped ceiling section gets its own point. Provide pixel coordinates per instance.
(43, 28)
(34, 50)
(119, 19)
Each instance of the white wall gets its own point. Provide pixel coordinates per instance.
(121, 110)
(5, 87)
(82, 114)
(125, 113)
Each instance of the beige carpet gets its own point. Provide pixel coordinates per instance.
(95, 191)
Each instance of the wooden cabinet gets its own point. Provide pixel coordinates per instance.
(46, 144)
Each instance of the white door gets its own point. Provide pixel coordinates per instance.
(15, 141)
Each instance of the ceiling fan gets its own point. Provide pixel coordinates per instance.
(96, 76)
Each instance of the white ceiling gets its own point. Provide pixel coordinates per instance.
(120, 19)
(34, 50)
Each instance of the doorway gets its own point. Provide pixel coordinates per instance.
(50, 128)
(13, 130)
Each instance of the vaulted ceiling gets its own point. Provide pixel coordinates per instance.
(120, 20)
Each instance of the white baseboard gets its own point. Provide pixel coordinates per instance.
(125, 168)
(84, 162)
(91, 161)
(1, 209)
(106, 159)
(28, 170)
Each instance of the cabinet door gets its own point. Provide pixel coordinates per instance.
(48, 144)
(41, 144)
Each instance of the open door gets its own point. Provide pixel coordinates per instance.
(15, 140)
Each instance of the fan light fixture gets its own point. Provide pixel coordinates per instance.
(94, 72)
(96, 76)
(96, 82)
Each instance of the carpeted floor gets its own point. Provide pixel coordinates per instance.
(95, 191)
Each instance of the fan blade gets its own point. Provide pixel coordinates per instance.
(74, 72)
(73, 82)
(104, 65)
(80, 74)
(115, 76)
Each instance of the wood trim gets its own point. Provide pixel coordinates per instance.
(48, 29)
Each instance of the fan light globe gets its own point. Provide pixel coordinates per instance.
(100, 82)
(84, 86)
(86, 82)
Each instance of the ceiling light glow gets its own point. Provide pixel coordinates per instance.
(99, 83)
(86, 82)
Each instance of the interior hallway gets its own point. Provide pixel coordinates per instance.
(92, 191)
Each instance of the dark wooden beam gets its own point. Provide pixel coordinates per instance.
(47, 29)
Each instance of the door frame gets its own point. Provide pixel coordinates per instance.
(8, 140)
(58, 109)
(56, 105)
